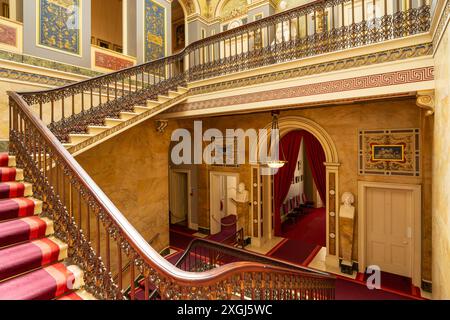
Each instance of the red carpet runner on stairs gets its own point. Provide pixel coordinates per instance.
(31, 260)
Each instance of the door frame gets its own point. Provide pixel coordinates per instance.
(191, 225)
(416, 238)
(212, 174)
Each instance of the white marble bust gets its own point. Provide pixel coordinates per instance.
(347, 209)
(242, 193)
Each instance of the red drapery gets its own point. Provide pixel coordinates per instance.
(316, 159)
(290, 145)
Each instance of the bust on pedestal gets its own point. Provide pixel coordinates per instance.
(346, 226)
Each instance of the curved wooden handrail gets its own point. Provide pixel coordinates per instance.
(252, 257)
(132, 236)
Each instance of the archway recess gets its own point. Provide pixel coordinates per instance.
(293, 123)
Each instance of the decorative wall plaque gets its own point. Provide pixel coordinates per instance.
(389, 152)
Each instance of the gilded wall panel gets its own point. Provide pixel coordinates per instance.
(155, 31)
(58, 25)
(389, 152)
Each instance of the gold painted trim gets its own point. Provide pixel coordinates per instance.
(80, 24)
(388, 145)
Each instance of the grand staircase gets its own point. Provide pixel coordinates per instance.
(73, 239)
(32, 261)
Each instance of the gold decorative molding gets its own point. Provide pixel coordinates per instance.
(161, 125)
(426, 100)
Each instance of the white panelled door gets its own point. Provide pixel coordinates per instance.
(389, 229)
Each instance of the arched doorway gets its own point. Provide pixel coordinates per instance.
(295, 123)
(178, 27)
(299, 193)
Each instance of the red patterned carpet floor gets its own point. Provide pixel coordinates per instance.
(309, 227)
(301, 249)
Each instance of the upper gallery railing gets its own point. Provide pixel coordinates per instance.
(100, 238)
(315, 28)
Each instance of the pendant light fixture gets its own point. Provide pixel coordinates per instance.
(277, 163)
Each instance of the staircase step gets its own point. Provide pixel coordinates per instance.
(162, 99)
(127, 115)
(77, 296)
(112, 122)
(19, 208)
(15, 189)
(68, 145)
(152, 104)
(141, 109)
(44, 284)
(78, 138)
(8, 174)
(7, 161)
(182, 90)
(173, 94)
(94, 130)
(24, 229)
(31, 255)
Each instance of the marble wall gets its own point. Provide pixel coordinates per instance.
(441, 173)
(132, 169)
(6, 86)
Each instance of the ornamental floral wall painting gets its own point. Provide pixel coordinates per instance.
(155, 33)
(389, 152)
(58, 25)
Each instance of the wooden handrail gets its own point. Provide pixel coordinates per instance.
(246, 255)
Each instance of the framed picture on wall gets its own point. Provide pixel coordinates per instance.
(394, 153)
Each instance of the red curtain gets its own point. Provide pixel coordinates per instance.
(290, 146)
(316, 159)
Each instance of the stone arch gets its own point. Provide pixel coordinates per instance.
(190, 7)
(292, 123)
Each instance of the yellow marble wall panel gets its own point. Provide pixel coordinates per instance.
(6, 86)
(441, 173)
(132, 169)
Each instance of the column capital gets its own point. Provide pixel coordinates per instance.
(426, 100)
